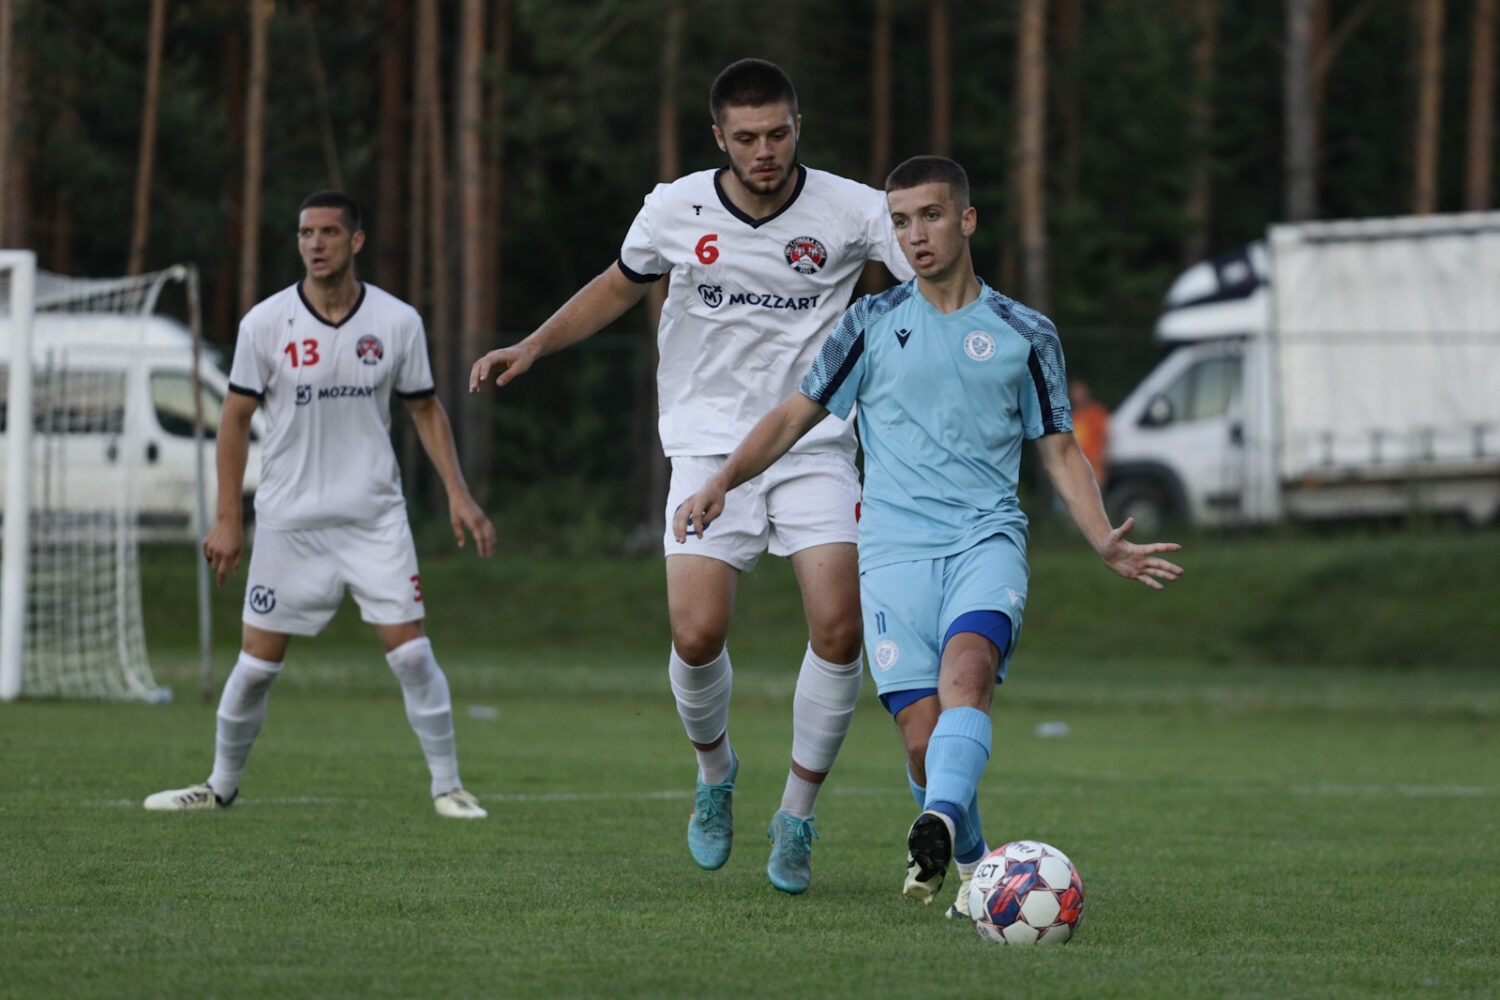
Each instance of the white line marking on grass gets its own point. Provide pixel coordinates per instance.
(301, 800)
(585, 796)
(1406, 791)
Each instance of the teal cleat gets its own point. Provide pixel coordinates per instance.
(790, 867)
(711, 826)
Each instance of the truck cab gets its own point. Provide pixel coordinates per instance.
(1176, 448)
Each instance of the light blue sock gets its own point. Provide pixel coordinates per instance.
(970, 844)
(957, 752)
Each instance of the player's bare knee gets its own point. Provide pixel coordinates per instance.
(838, 640)
(697, 645)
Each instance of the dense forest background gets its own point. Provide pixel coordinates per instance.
(500, 149)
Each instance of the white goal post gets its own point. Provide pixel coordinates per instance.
(116, 421)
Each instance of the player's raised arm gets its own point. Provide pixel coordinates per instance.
(591, 309)
(772, 437)
(1073, 478)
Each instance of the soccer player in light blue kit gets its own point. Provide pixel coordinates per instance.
(949, 377)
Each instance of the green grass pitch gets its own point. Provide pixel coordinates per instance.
(1247, 824)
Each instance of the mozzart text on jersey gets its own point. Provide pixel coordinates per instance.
(713, 297)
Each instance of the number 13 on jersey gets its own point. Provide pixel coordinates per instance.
(307, 356)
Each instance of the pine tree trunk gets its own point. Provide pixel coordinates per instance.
(255, 123)
(494, 184)
(941, 76)
(1429, 97)
(875, 276)
(668, 156)
(224, 299)
(1299, 107)
(320, 94)
(1481, 109)
(1031, 126)
(440, 329)
(395, 121)
(145, 165)
(1200, 130)
(473, 334)
(7, 112)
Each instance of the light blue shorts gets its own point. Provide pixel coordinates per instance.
(909, 607)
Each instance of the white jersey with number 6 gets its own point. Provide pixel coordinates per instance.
(750, 301)
(326, 392)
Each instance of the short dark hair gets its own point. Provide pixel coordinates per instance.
(929, 170)
(335, 199)
(750, 83)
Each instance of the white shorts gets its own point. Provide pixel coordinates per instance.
(801, 501)
(297, 578)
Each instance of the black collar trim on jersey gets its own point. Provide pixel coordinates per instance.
(733, 209)
(327, 322)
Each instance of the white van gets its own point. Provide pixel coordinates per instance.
(1335, 369)
(113, 391)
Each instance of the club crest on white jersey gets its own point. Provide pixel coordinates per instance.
(806, 255)
(370, 349)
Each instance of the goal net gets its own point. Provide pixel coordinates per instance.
(70, 595)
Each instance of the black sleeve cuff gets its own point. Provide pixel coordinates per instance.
(419, 394)
(636, 276)
(246, 392)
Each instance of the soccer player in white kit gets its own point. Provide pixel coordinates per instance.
(323, 357)
(763, 255)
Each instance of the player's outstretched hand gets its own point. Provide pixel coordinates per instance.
(1139, 562)
(223, 548)
(505, 362)
(697, 512)
(463, 512)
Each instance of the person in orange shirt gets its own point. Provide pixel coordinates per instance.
(1090, 426)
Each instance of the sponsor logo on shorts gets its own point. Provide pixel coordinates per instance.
(805, 255)
(886, 654)
(262, 599)
(979, 345)
(712, 295)
(370, 349)
(304, 395)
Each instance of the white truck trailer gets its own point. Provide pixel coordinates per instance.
(1332, 370)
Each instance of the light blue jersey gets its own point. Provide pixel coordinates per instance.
(944, 404)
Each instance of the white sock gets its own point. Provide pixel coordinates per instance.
(702, 695)
(242, 710)
(822, 709)
(800, 796)
(429, 709)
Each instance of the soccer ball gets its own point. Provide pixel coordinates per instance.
(1024, 892)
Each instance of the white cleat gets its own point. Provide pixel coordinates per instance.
(180, 799)
(960, 907)
(458, 804)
